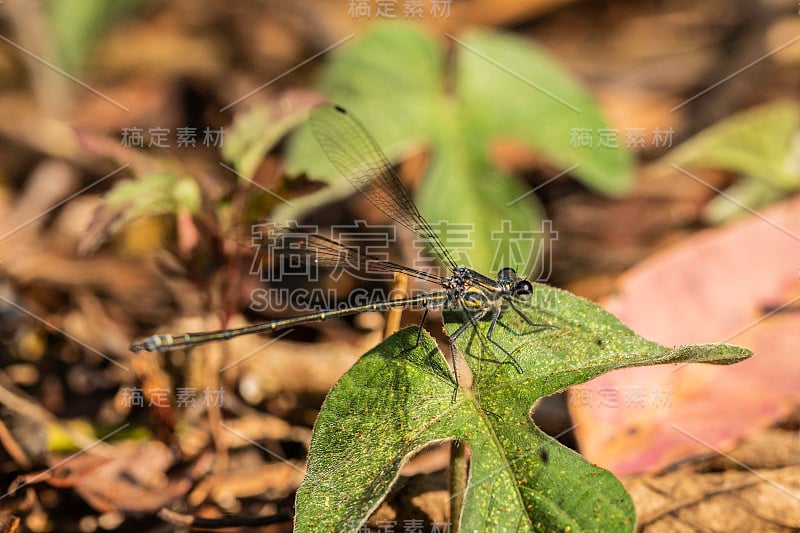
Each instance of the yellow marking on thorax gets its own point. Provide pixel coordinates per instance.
(476, 303)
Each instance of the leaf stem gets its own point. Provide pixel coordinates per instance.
(459, 464)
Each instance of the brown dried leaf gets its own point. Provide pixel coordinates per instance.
(722, 285)
(131, 479)
(270, 481)
(726, 493)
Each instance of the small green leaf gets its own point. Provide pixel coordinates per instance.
(750, 192)
(758, 143)
(396, 400)
(187, 195)
(509, 87)
(153, 194)
(254, 132)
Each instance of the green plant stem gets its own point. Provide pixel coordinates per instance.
(459, 464)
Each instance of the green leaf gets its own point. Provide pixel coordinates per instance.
(758, 143)
(396, 400)
(153, 194)
(510, 87)
(397, 99)
(254, 132)
(750, 192)
(403, 103)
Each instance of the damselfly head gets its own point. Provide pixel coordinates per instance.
(512, 284)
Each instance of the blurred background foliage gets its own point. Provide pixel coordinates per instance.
(102, 243)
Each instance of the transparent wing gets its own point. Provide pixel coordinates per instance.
(328, 253)
(358, 158)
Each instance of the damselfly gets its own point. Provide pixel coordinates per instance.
(360, 160)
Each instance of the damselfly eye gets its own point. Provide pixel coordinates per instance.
(523, 289)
